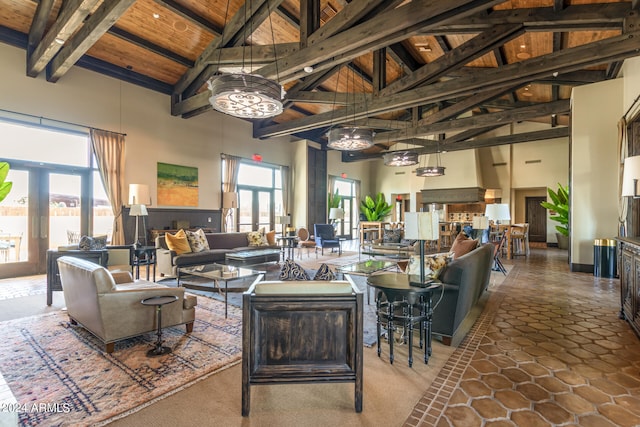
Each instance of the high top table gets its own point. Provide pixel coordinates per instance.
(402, 300)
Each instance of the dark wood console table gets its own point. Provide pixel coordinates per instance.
(53, 275)
(629, 270)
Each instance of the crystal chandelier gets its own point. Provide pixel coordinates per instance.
(248, 96)
(400, 158)
(353, 138)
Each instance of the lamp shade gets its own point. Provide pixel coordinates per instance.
(421, 225)
(229, 200)
(336, 213)
(498, 212)
(138, 210)
(139, 194)
(630, 176)
(284, 219)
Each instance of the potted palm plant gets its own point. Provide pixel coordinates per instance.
(559, 210)
(375, 209)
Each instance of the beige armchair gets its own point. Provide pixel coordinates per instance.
(108, 304)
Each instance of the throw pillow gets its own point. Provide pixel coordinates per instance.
(463, 245)
(324, 273)
(292, 271)
(197, 240)
(256, 238)
(391, 236)
(271, 237)
(85, 243)
(99, 242)
(178, 242)
(434, 265)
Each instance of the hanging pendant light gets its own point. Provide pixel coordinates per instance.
(347, 137)
(430, 171)
(245, 95)
(248, 96)
(400, 158)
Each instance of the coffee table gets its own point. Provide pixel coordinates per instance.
(366, 268)
(217, 273)
(252, 257)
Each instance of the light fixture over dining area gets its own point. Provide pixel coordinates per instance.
(400, 158)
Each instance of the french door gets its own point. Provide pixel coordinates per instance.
(43, 210)
(255, 208)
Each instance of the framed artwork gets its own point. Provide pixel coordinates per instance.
(177, 185)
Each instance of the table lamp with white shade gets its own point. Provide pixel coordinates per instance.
(498, 212)
(421, 226)
(630, 177)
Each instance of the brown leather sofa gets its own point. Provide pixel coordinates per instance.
(107, 304)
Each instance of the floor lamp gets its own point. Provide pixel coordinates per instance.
(421, 226)
(138, 199)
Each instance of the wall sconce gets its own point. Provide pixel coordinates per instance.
(630, 177)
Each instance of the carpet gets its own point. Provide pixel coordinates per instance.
(59, 373)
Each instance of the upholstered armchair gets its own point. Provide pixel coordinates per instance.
(108, 304)
(326, 238)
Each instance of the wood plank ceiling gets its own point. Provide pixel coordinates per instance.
(426, 74)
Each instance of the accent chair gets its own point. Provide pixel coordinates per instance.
(326, 238)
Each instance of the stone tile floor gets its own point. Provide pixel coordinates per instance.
(548, 350)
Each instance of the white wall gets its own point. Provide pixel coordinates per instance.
(153, 135)
(596, 109)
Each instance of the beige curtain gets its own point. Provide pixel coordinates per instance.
(229, 183)
(622, 154)
(108, 148)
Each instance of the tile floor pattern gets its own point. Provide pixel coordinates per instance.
(548, 350)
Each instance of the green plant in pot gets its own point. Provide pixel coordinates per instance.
(559, 209)
(375, 209)
(5, 187)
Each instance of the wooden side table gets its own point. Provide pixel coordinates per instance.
(143, 256)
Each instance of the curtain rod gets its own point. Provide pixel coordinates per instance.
(633, 104)
(40, 118)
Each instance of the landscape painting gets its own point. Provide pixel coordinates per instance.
(177, 185)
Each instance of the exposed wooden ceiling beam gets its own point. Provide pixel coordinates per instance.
(96, 25)
(39, 24)
(381, 30)
(260, 54)
(69, 20)
(474, 122)
(152, 47)
(586, 16)
(573, 59)
(453, 59)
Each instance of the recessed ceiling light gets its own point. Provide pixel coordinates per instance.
(156, 15)
(59, 40)
(308, 69)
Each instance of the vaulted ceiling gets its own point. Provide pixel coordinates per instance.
(432, 75)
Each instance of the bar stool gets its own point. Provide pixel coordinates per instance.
(446, 235)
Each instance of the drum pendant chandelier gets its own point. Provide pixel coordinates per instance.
(245, 95)
(248, 96)
(400, 158)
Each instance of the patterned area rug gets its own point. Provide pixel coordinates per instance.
(60, 375)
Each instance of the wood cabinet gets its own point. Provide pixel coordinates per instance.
(629, 270)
